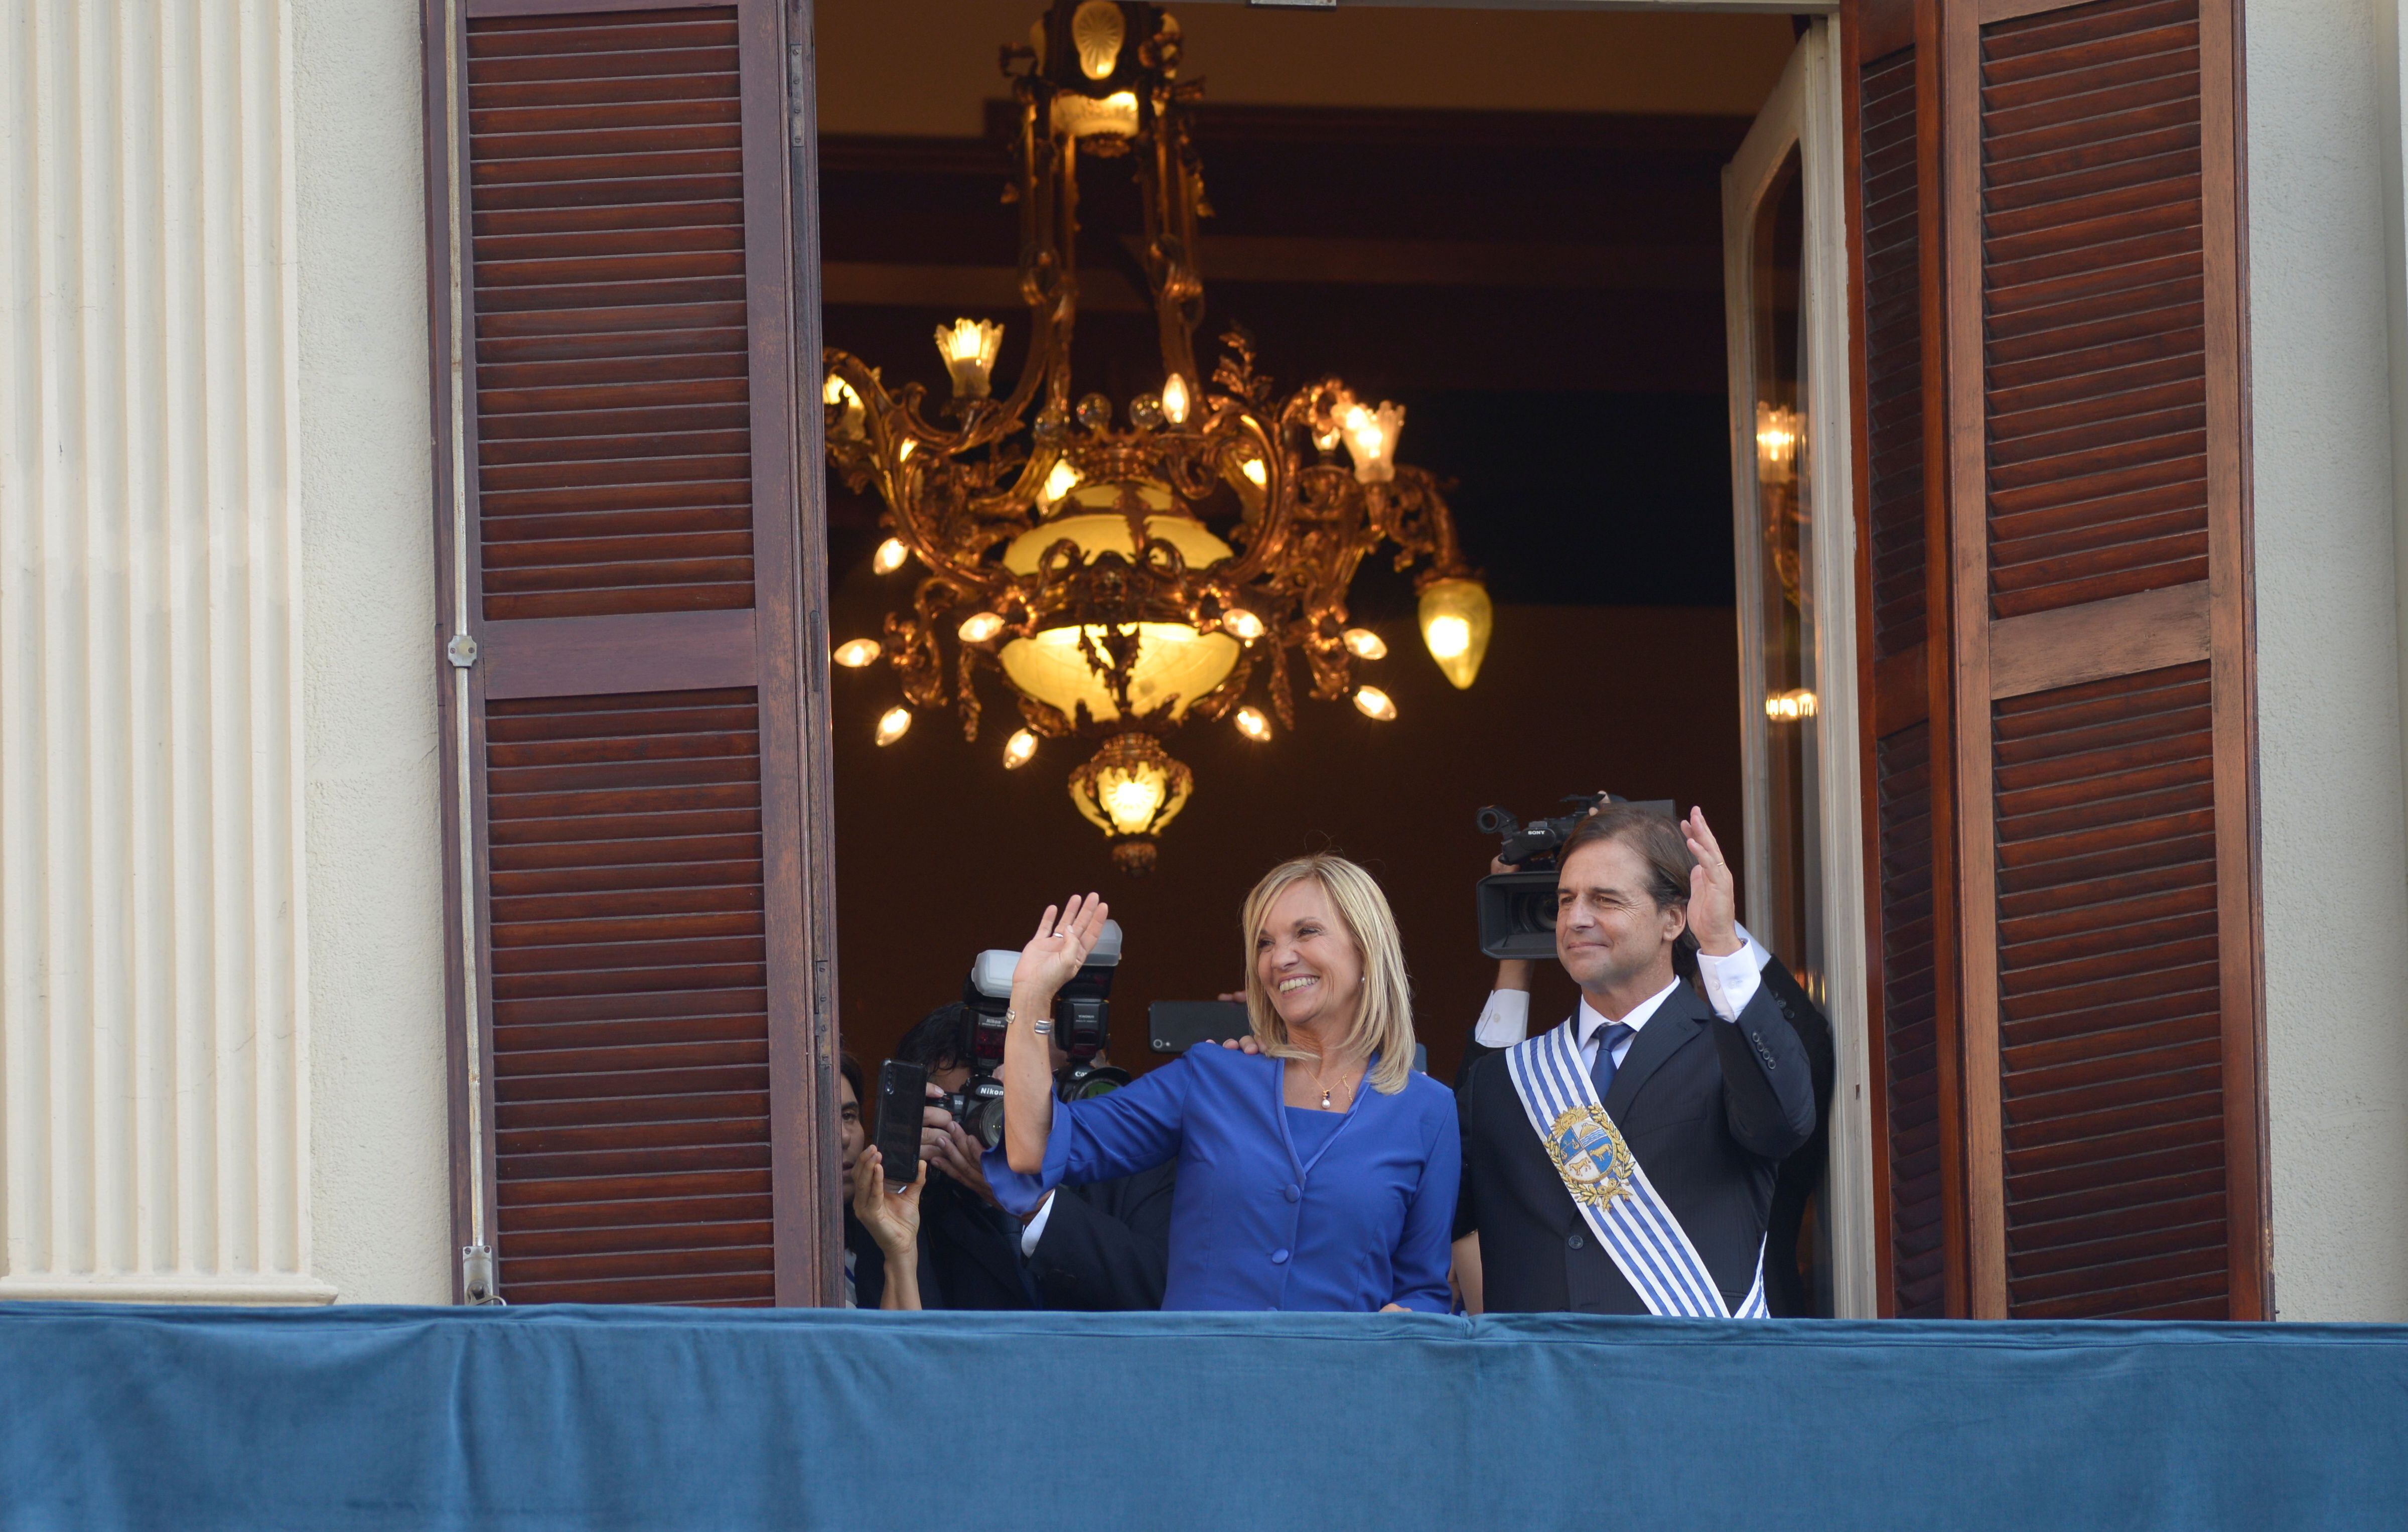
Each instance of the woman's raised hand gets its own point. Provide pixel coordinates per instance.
(1061, 944)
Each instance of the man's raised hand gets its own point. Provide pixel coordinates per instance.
(1714, 908)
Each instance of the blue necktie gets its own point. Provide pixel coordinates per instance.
(1602, 1070)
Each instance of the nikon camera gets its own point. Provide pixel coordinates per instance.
(1081, 1024)
(1517, 909)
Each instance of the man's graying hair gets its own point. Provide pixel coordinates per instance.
(1661, 845)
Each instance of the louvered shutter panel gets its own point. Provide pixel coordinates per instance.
(2100, 631)
(1891, 91)
(650, 1103)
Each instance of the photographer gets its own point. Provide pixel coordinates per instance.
(1098, 1247)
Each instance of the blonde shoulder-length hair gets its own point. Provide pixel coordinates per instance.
(1384, 1017)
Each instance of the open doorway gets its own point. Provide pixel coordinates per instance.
(1514, 224)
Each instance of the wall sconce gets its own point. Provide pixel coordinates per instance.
(1777, 428)
(968, 348)
(1077, 116)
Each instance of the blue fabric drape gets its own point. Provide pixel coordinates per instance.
(656, 1419)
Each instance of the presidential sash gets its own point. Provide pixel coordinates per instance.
(1609, 1186)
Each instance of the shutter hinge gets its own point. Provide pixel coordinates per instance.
(798, 91)
(461, 650)
(477, 1277)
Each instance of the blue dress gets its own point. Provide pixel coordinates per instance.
(1348, 1213)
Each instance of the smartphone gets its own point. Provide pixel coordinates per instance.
(902, 1096)
(1177, 1026)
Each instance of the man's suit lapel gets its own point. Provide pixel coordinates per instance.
(1675, 1022)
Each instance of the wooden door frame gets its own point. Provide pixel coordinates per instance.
(1804, 111)
(799, 1074)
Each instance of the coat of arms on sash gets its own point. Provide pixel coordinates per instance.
(1589, 1154)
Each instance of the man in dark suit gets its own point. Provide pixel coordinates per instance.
(1786, 1288)
(1105, 1246)
(1709, 1093)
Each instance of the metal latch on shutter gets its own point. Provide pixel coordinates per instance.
(461, 650)
(477, 1277)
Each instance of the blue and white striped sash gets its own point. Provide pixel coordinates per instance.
(1609, 1186)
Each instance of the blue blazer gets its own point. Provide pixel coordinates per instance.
(1365, 1221)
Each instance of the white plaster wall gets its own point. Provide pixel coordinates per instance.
(2328, 682)
(371, 833)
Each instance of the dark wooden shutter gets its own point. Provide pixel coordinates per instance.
(2102, 652)
(1891, 93)
(2060, 793)
(654, 1095)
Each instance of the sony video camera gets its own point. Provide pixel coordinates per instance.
(1517, 909)
(1082, 1024)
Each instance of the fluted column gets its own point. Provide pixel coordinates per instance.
(153, 1025)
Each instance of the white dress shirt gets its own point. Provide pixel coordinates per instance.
(1730, 983)
(1034, 1230)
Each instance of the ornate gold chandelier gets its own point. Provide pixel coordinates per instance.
(1124, 579)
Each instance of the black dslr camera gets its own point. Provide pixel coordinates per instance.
(1081, 1024)
(1517, 909)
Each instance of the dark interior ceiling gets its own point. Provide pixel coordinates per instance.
(1543, 292)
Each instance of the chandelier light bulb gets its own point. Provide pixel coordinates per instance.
(896, 723)
(840, 395)
(1366, 645)
(1255, 473)
(979, 627)
(903, 453)
(1373, 703)
(968, 348)
(1790, 705)
(1174, 399)
(1060, 482)
(1242, 624)
(1019, 749)
(1253, 724)
(1130, 800)
(891, 556)
(1371, 441)
(1455, 618)
(856, 652)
